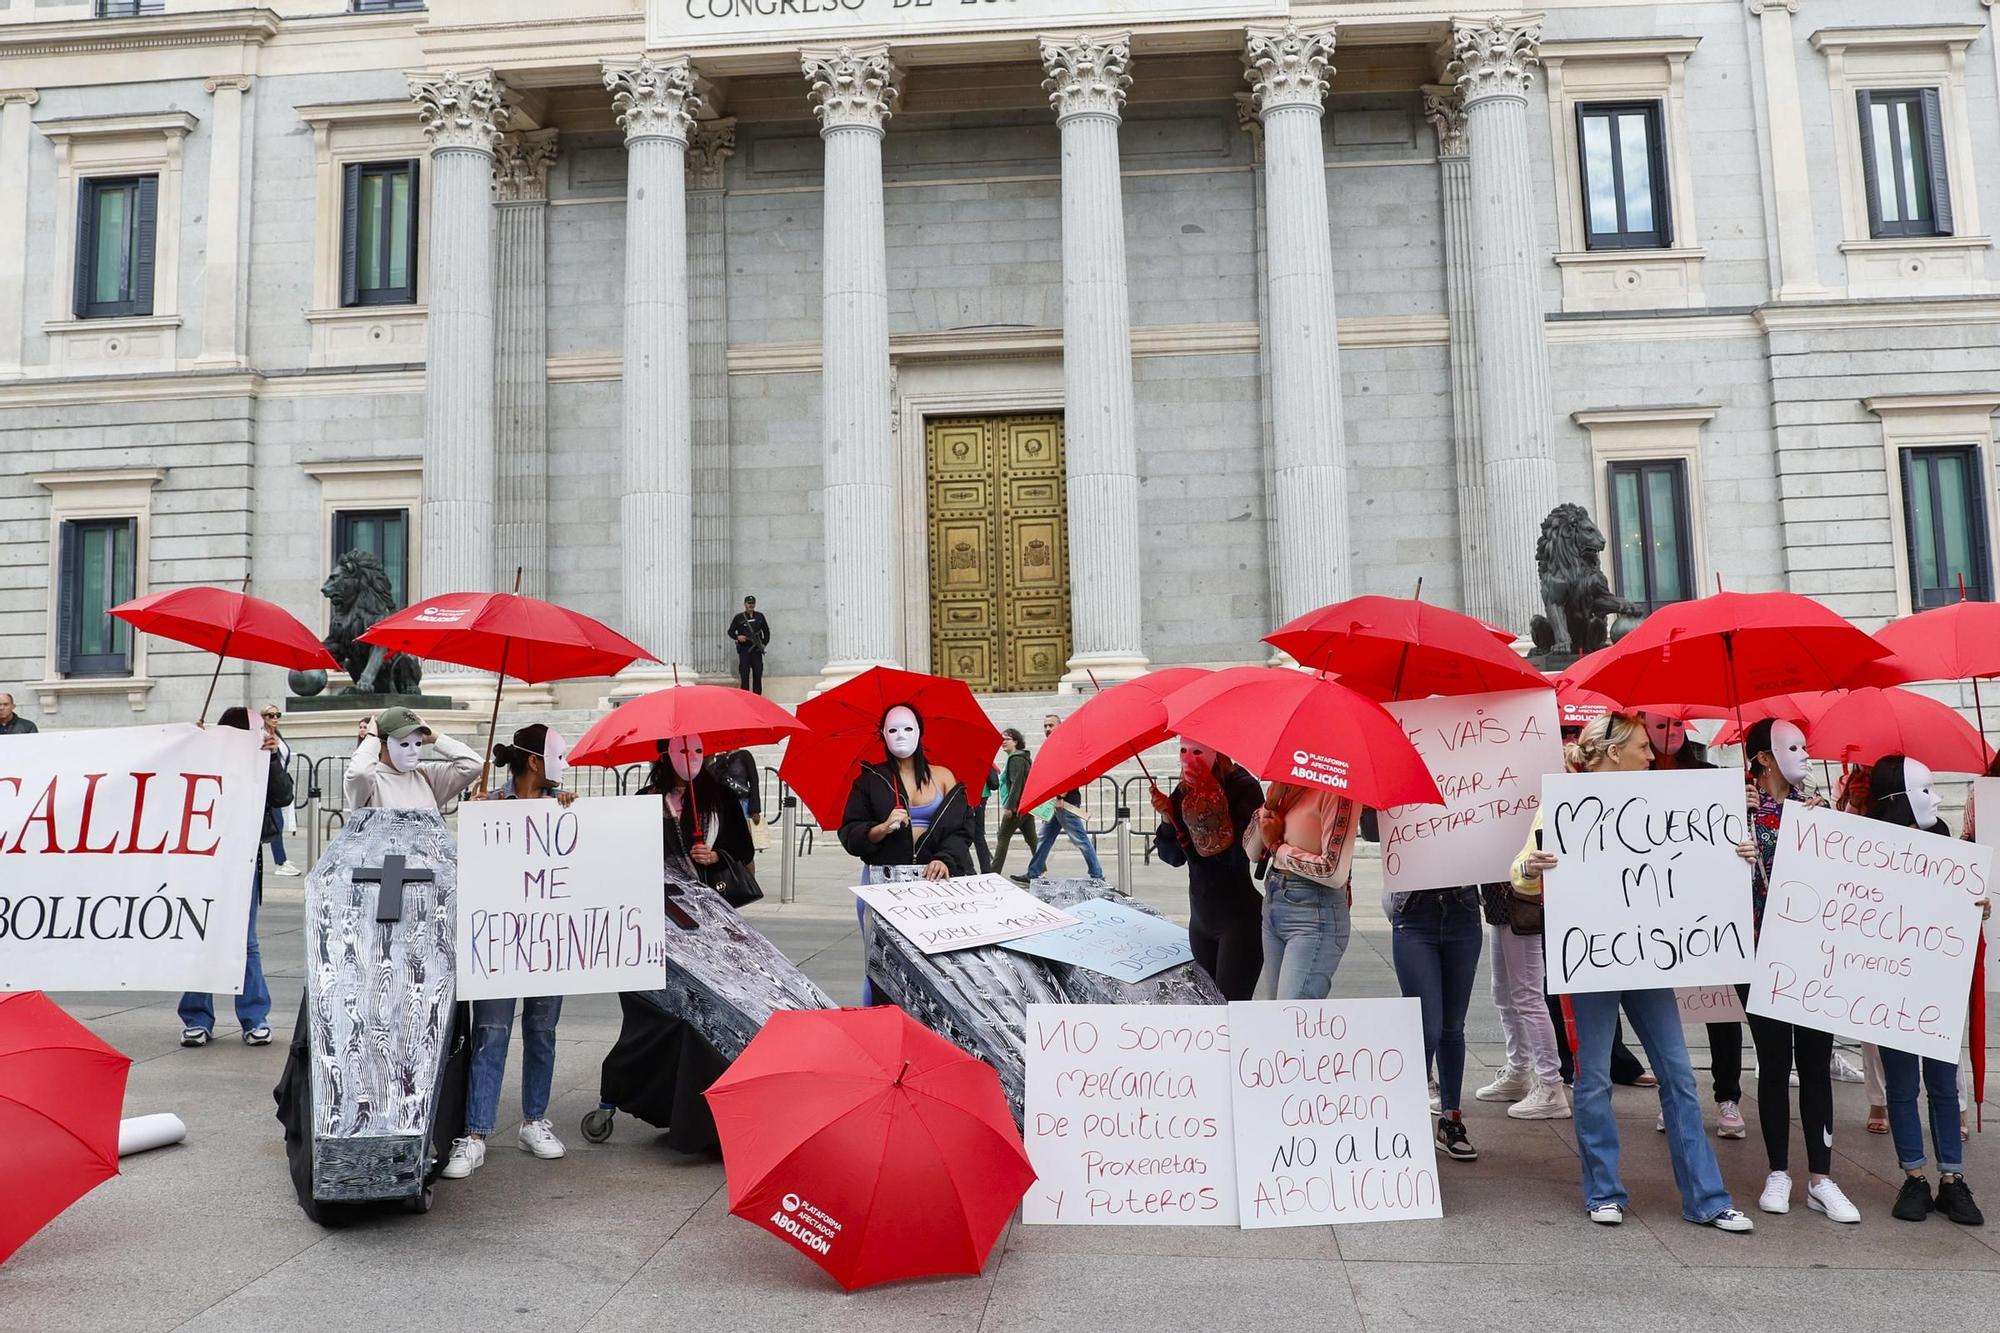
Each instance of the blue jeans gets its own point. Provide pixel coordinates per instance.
(1305, 933)
(1656, 1018)
(1900, 1076)
(1064, 821)
(253, 1006)
(278, 848)
(492, 1020)
(1438, 934)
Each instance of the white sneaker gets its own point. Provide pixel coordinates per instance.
(1511, 1086)
(1777, 1195)
(467, 1155)
(287, 871)
(1845, 1070)
(1731, 1220)
(1729, 1121)
(1437, 1102)
(1546, 1102)
(1823, 1196)
(1607, 1215)
(1660, 1122)
(539, 1138)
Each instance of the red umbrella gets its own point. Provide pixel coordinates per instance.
(1293, 726)
(846, 730)
(1112, 726)
(61, 1091)
(724, 717)
(870, 1143)
(1956, 642)
(229, 624)
(1402, 648)
(1861, 726)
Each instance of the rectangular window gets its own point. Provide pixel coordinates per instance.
(129, 9)
(1624, 161)
(1652, 545)
(1944, 514)
(1903, 163)
(382, 533)
(98, 570)
(378, 234)
(116, 219)
(383, 6)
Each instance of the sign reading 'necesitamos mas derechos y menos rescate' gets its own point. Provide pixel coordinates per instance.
(126, 856)
(681, 24)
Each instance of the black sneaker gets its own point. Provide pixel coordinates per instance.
(1452, 1142)
(1913, 1201)
(1954, 1200)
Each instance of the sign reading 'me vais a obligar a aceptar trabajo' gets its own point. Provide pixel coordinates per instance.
(684, 24)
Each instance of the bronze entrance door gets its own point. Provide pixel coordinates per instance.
(999, 557)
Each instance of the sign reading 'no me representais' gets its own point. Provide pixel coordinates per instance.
(940, 915)
(1870, 931)
(556, 900)
(1128, 1115)
(126, 856)
(1649, 891)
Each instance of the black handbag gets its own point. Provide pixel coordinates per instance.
(734, 880)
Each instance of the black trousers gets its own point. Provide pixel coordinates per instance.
(979, 847)
(1231, 951)
(1725, 1060)
(1778, 1046)
(750, 671)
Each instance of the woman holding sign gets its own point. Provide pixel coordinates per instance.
(1308, 834)
(1201, 827)
(1903, 792)
(1618, 743)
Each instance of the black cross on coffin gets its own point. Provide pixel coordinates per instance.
(392, 875)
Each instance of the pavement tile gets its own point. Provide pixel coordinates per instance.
(1144, 1293)
(1588, 1293)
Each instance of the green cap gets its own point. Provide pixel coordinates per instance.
(393, 723)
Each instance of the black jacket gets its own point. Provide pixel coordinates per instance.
(756, 627)
(278, 794)
(876, 792)
(1218, 884)
(711, 798)
(737, 770)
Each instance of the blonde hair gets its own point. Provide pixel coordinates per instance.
(1599, 738)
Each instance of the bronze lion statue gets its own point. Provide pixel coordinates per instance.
(1575, 592)
(359, 591)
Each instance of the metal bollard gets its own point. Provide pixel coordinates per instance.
(1125, 851)
(788, 867)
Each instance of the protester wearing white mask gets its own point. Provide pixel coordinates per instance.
(705, 833)
(904, 811)
(388, 770)
(1779, 766)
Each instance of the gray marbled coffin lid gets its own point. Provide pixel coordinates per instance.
(379, 1019)
(724, 979)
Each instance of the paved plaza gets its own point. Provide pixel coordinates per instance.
(629, 1235)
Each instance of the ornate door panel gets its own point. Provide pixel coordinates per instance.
(999, 558)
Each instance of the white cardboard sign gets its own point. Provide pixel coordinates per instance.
(1332, 1112)
(126, 856)
(1650, 891)
(1870, 931)
(1701, 1005)
(556, 900)
(1128, 1115)
(1489, 753)
(940, 915)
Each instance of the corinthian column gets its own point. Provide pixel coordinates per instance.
(1493, 72)
(853, 90)
(1288, 72)
(464, 117)
(521, 359)
(656, 105)
(1446, 112)
(1087, 79)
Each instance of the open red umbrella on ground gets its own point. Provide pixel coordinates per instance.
(724, 717)
(846, 731)
(230, 624)
(869, 1143)
(1391, 648)
(61, 1093)
(1294, 726)
(1113, 725)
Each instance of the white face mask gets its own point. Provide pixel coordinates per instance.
(686, 753)
(1920, 785)
(1195, 758)
(555, 757)
(1788, 747)
(900, 732)
(404, 750)
(1667, 734)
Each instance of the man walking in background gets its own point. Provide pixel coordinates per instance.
(1066, 818)
(11, 722)
(751, 634)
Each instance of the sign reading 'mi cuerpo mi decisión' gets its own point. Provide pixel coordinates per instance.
(685, 24)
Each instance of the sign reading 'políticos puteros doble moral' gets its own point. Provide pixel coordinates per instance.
(689, 24)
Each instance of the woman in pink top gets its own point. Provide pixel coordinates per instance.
(1307, 834)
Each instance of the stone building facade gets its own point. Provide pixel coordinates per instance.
(1027, 340)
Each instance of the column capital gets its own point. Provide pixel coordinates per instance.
(852, 87)
(1087, 74)
(1289, 66)
(1762, 7)
(712, 144)
(1251, 124)
(23, 96)
(1444, 108)
(235, 83)
(654, 100)
(1494, 59)
(461, 111)
(521, 163)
